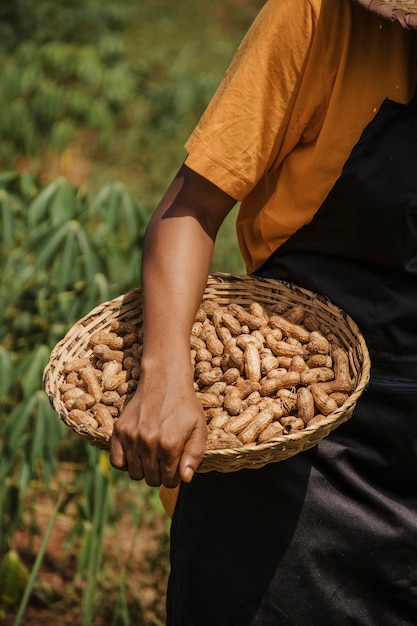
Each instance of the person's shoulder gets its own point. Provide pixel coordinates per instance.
(291, 12)
(301, 6)
(306, 12)
(293, 6)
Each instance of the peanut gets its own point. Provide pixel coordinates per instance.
(218, 438)
(305, 404)
(282, 348)
(214, 345)
(319, 360)
(341, 365)
(252, 362)
(316, 375)
(286, 380)
(212, 376)
(219, 421)
(76, 365)
(268, 363)
(104, 419)
(318, 344)
(251, 432)
(110, 397)
(272, 431)
(113, 382)
(237, 423)
(196, 343)
(339, 397)
(292, 423)
(91, 381)
(232, 324)
(83, 419)
(112, 340)
(295, 314)
(245, 317)
(233, 402)
(123, 328)
(297, 364)
(209, 399)
(323, 402)
(231, 375)
(289, 329)
(103, 352)
(256, 309)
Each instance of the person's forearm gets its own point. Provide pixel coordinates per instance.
(175, 266)
(176, 261)
(160, 436)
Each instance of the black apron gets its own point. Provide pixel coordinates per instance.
(328, 537)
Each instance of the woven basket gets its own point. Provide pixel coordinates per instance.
(402, 11)
(222, 289)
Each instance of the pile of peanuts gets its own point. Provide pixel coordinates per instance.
(259, 373)
(96, 388)
(262, 374)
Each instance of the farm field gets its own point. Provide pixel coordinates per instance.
(97, 104)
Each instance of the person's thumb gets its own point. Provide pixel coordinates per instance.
(192, 454)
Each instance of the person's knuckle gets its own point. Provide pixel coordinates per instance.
(169, 444)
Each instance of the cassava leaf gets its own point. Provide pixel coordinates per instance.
(13, 579)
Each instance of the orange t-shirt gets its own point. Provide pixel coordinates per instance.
(307, 78)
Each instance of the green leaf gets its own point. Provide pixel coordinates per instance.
(62, 133)
(31, 370)
(6, 177)
(36, 442)
(13, 579)
(101, 198)
(7, 221)
(99, 292)
(10, 509)
(64, 204)
(38, 208)
(7, 373)
(14, 427)
(68, 261)
(48, 253)
(36, 566)
(49, 432)
(90, 259)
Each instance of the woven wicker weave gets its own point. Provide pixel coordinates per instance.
(223, 289)
(402, 11)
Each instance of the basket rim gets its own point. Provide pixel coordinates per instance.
(221, 281)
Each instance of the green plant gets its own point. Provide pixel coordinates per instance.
(30, 580)
(123, 84)
(63, 251)
(64, 70)
(14, 578)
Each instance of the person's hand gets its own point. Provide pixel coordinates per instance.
(160, 436)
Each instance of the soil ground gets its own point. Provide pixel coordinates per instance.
(133, 573)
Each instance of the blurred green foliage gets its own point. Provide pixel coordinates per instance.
(62, 251)
(64, 68)
(123, 84)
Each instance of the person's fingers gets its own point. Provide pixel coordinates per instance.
(169, 468)
(129, 462)
(148, 456)
(134, 467)
(193, 453)
(117, 455)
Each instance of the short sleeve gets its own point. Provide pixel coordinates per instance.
(240, 133)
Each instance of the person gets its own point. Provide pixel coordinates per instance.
(314, 131)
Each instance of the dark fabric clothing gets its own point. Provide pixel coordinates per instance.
(329, 537)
